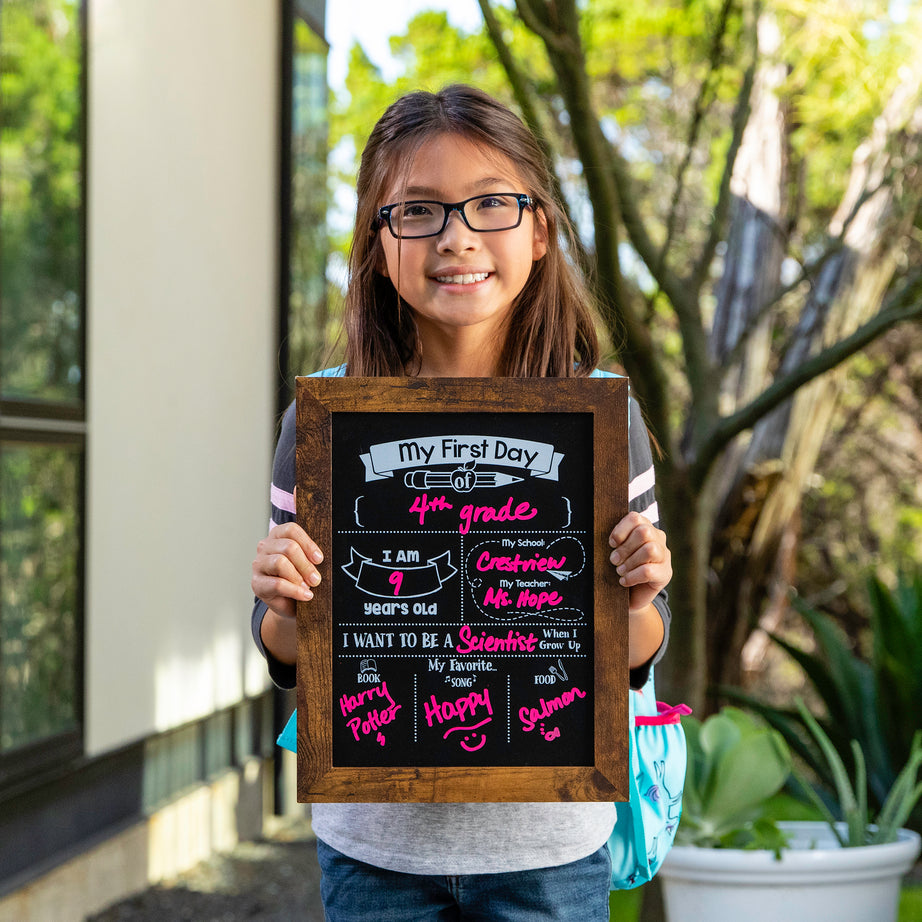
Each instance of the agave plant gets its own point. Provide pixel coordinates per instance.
(860, 827)
(874, 702)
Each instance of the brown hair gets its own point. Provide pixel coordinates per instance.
(550, 333)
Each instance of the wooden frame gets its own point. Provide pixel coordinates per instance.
(324, 408)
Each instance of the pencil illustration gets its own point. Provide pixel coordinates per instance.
(461, 480)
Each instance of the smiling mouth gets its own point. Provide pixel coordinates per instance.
(467, 279)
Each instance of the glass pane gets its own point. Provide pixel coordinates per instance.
(39, 591)
(309, 320)
(41, 339)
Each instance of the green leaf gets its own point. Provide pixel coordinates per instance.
(748, 772)
(844, 790)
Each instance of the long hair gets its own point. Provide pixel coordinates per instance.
(550, 330)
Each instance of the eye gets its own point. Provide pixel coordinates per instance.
(494, 201)
(418, 210)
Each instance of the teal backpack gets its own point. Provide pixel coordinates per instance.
(647, 823)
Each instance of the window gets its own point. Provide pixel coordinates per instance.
(42, 421)
(307, 327)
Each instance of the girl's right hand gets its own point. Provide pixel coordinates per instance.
(285, 568)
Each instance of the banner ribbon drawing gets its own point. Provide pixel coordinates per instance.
(399, 582)
(539, 459)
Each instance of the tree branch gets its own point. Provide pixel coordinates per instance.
(683, 299)
(702, 103)
(524, 95)
(905, 304)
(741, 112)
(621, 316)
(534, 15)
(808, 274)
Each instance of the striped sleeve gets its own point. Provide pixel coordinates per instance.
(642, 499)
(282, 509)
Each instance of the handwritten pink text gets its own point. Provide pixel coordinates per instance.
(513, 642)
(459, 709)
(422, 505)
(374, 718)
(470, 514)
(486, 561)
(531, 716)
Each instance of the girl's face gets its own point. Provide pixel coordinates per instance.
(462, 283)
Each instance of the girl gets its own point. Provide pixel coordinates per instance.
(457, 269)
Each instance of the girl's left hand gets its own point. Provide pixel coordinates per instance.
(643, 560)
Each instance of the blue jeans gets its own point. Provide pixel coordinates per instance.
(356, 892)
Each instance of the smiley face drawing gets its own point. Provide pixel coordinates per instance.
(473, 740)
(468, 743)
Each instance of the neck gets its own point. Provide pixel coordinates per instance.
(458, 354)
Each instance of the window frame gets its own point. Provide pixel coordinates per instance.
(47, 423)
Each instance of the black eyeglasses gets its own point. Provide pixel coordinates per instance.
(482, 213)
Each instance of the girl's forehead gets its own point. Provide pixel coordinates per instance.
(450, 165)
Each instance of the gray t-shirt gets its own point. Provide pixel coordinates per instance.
(459, 838)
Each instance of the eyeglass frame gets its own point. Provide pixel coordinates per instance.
(383, 217)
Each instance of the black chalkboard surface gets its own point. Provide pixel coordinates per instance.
(469, 639)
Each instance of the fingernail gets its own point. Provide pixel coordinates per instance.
(621, 570)
(314, 578)
(615, 557)
(317, 557)
(306, 592)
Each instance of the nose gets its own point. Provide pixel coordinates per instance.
(456, 235)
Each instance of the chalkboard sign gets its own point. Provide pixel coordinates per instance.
(468, 641)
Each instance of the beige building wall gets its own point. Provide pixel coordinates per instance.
(182, 227)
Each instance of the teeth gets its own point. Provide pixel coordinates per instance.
(467, 279)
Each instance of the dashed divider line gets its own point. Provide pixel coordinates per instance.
(508, 709)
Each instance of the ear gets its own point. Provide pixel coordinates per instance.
(539, 240)
(380, 260)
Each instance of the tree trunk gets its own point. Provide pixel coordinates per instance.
(684, 677)
(872, 220)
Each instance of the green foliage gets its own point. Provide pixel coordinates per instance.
(40, 558)
(874, 703)
(310, 333)
(735, 766)
(896, 626)
(40, 193)
(860, 827)
(863, 508)
(433, 54)
(844, 57)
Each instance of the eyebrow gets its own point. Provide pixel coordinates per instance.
(475, 187)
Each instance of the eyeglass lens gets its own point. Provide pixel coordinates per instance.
(484, 213)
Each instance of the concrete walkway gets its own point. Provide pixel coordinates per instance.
(274, 879)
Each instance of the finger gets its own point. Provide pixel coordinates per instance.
(286, 564)
(294, 532)
(641, 534)
(267, 592)
(654, 574)
(622, 531)
(646, 553)
(291, 542)
(276, 589)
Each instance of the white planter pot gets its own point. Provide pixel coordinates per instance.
(814, 879)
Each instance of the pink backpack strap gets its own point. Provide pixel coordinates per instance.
(667, 714)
